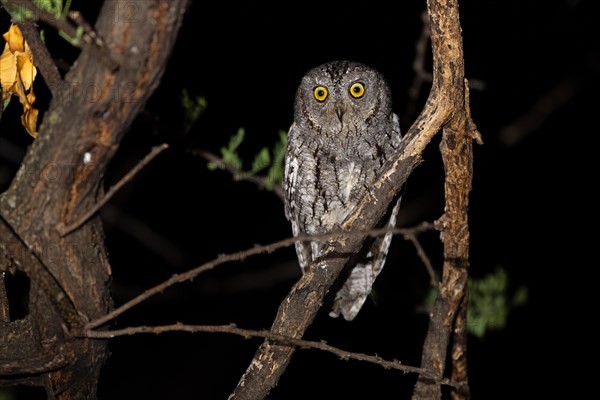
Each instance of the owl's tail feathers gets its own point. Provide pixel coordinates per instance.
(352, 295)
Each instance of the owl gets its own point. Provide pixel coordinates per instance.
(344, 130)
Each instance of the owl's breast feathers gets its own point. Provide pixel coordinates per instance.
(325, 179)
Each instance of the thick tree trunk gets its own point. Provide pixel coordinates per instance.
(59, 180)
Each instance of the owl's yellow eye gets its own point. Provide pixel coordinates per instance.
(357, 90)
(320, 93)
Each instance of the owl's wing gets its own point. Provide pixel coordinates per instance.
(351, 296)
(290, 183)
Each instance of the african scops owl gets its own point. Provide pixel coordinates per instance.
(343, 132)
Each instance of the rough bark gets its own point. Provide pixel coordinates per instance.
(457, 154)
(54, 185)
(456, 150)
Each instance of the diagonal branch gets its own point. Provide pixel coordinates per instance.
(433, 281)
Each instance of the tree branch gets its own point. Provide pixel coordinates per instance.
(433, 281)
(43, 59)
(459, 354)
(256, 179)
(4, 306)
(239, 256)
(248, 333)
(421, 75)
(457, 155)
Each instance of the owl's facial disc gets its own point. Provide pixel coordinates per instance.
(340, 101)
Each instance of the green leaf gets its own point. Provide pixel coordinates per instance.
(231, 158)
(67, 7)
(193, 107)
(261, 161)
(20, 14)
(54, 7)
(229, 153)
(236, 140)
(275, 174)
(488, 303)
(73, 41)
(213, 166)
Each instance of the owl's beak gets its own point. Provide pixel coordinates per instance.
(340, 110)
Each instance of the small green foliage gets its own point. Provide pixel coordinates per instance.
(73, 41)
(261, 161)
(275, 173)
(54, 7)
(488, 306)
(193, 107)
(489, 302)
(57, 8)
(229, 156)
(20, 14)
(265, 159)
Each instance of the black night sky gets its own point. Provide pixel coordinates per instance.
(526, 59)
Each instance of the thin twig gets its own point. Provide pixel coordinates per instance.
(65, 230)
(433, 281)
(260, 181)
(4, 306)
(249, 333)
(421, 74)
(241, 255)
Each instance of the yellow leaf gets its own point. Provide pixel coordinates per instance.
(29, 121)
(14, 38)
(17, 73)
(27, 70)
(8, 70)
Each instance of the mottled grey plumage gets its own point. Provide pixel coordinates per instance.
(344, 130)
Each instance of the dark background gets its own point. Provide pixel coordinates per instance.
(246, 59)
